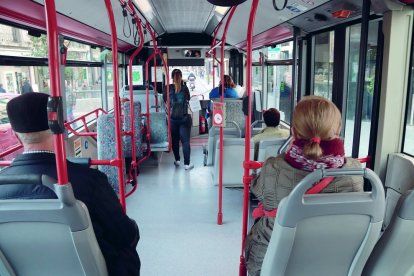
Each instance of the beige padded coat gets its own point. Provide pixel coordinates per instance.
(275, 181)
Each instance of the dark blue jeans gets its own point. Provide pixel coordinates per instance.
(180, 131)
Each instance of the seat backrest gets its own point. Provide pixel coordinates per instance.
(213, 136)
(138, 129)
(394, 252)
(268, 147)
(159, 131)
(233, 157)
(141, 96)
(325, 234)
(107, 147)
(47, 236)
(233, 113)
(399, 180)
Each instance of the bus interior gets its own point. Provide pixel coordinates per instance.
(110, 68)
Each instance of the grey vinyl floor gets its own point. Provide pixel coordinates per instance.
(176, 211)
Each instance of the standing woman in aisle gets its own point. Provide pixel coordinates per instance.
(181, 121)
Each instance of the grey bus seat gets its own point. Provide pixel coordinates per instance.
(47, 236)
(141, 96)
(268, 147)
(394, 252)
(233, 113)
(401, 167)
(214, 135)
(233, 157)
(325, 234)
(138, 129)
(159, 131)
(107, 149)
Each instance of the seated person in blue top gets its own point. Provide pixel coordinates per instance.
(271, 118)
(115, 232)
(229, 91)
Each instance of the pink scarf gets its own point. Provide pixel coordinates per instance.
(333, 155)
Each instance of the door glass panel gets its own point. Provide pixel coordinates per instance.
(370, 70)
(257, 78)
(323, 64)
(408, 146)
(279, 88)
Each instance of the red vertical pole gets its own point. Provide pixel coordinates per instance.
(117, 109)
(155, 84)
(167, 77)
(53, 55)
(131, 92)
(147, 94)
(223, 44)
(246, 176)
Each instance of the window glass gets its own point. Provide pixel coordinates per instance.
(408, 146)
(256, 55)
(280, 51)
(257, 78)
(4, 119)
(17, 42)
(110, 85)
(279, 88)
(370, 70)
(196, 80)
(107, 54)
(323, 64)
(83, 90)
(82, 52)
(21, 79)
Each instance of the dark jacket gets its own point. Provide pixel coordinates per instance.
(117, 234)
(179, 102)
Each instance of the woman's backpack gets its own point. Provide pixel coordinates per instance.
(178, 108)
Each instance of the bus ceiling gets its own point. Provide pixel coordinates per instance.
(195, 17)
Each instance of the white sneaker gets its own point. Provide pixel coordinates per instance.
(177, 163)
(189, 166)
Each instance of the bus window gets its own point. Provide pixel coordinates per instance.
(323, 65)
(279, 79)
(353, 59)
(83, 90)
(408, 146)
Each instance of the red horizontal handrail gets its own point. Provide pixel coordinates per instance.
(11, 150)
(366, 160)
(85, 123)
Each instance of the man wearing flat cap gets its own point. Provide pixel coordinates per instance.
(117, 234)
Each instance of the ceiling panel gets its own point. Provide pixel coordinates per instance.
(183, 15)
(93, 13)
(266, 17)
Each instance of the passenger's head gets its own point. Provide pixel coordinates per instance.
(315, 119)
(228, 82)
(177, 77)
(271, 117)
(28, 118)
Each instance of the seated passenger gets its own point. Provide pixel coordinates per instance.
(115, 232)
(316, 125)
(271, 118)
(229, 91)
